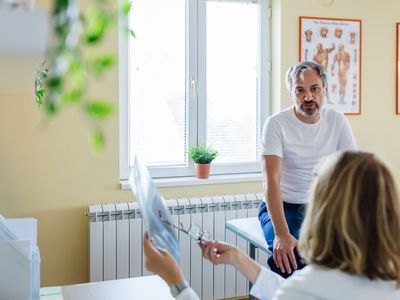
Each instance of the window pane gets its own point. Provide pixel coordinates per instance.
(232, 46)
(157, 82)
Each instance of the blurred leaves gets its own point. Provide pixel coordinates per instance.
(97, 141)
(97, 21)
(73, 63)
(99, 110)
(98, 65)
(126, 7)
(71, 96)
(132, 33)
(41, 76)
(39, 96)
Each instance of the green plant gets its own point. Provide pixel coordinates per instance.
(74, 60)
(202, 154)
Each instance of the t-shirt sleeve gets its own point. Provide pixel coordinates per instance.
(271, 139)
(346, 137)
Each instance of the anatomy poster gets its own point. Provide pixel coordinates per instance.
(336, 45)
(397, 68)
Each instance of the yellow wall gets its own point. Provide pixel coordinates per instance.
(47, 170)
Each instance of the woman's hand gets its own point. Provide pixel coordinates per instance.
(160, 262)
(219, 253)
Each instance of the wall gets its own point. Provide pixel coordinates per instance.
(47, 170)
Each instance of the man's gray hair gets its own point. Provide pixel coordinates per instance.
(300, 68)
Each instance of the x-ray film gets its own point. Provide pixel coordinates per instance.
(155, 214)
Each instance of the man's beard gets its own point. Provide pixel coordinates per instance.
(308, 112)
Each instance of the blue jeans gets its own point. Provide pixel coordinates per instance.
(294, 214)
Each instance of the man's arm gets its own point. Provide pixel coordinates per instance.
(284, 242)
(346, 137)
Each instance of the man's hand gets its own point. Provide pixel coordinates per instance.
(284, 247)
(160, 262)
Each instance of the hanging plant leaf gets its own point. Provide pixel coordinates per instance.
(41, 76)
(51, 107)
(97, 140)
(126, 7)
(61, 6)
(101, 63)
(72, 97)
(71, 66)
(99, 110)
(97, 21)
(55, 83)
(39, 96)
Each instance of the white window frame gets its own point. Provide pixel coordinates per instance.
(196, 90)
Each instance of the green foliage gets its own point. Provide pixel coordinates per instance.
(73, 62)
(99, 110)
(202, 154)
(39, 96)
(97, 21)
(132, 33)
(100, 64)
(126, 6)
(97, 140)
(41, 75)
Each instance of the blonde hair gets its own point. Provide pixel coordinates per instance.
(353, 222)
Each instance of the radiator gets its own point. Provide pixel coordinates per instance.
(116, 236)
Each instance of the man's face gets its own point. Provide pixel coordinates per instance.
(308, 93)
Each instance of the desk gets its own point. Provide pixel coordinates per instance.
(250, 230)
(147, 287)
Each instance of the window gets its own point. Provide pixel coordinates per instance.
(196, 73)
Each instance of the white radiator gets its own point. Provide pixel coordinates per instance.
(116, 233)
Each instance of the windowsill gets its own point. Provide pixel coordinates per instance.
(214, 179)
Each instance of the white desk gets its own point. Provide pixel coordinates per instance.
(250, 230)
(148, 287)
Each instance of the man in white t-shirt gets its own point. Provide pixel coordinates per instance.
(292, 143)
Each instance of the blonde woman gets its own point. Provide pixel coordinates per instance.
(350, 237)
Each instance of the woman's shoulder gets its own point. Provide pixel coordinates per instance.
(314, 282)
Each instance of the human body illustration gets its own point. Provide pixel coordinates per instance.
(342, 57)
(338, 32)
(308, 34)
(323, 32)
(322, 55)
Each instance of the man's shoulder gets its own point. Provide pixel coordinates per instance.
(331, 114)
(283, 115)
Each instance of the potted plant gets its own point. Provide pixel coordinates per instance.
(202, 157)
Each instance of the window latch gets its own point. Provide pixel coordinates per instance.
(193, 85)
